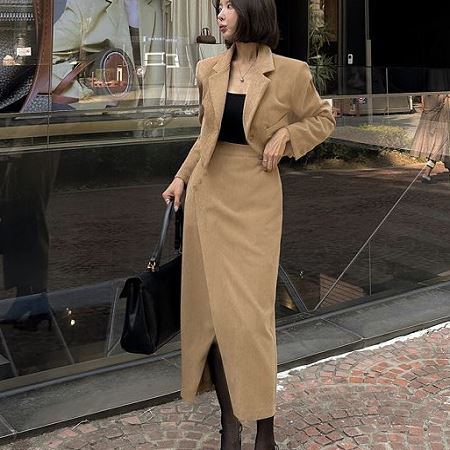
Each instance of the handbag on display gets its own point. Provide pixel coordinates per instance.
(153, 297)
(109, 73)
(206, 37)
(25, 54)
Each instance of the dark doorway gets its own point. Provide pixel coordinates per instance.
(410, 40)
(293, 22)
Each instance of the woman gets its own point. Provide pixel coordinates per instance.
(431, 139)
(255, 108)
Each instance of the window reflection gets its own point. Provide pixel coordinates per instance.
(155, 39)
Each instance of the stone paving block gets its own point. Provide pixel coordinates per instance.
(104, 445)
(67, 433)
(131, 420)
(76, 444)
(136, 439)
(88, 428)
(54, 444)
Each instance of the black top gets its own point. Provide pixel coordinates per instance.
(232, 127)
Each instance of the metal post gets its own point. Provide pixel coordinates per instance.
(370, 267)
(368, 63)
(8, 354)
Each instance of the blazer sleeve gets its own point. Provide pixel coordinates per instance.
(67, 42)
(184, 172)
(315, 121)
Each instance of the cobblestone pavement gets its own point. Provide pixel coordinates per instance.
(394, 396)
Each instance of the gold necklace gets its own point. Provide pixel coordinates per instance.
(248, 70)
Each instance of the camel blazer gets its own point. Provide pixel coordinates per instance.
(88, 26)
(280, 94)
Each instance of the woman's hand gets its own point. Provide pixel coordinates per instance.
(275, 149)
(174, 192)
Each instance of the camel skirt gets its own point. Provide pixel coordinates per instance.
(231, 249)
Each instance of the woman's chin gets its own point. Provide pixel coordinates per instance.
(228, 37)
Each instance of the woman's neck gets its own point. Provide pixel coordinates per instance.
(245, 52)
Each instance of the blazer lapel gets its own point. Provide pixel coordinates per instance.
(218, 84)
(258, 85)
(147, 27)
(114, 12)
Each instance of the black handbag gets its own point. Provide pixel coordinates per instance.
(153, 297)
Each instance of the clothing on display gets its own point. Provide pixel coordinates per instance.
(185, 20)
(86, 27)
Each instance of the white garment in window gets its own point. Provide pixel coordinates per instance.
(184, 22)
(132, 12)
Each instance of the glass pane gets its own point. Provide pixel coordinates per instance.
(395, 220)
(340, 193)
(327, 219)
(350, 286)
(88, 219)
(409, 251)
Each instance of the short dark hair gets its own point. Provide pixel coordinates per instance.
(257, 22)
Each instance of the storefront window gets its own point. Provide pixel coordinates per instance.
(95, 97)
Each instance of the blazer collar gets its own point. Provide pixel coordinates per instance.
(115, 1)
(218, 84)
(115, 10)
(112, 5)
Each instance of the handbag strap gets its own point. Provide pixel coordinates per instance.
(72, 75)
(179, 216)
(155, 259)
(43, 16)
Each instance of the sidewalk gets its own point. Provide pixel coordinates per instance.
(395, 396)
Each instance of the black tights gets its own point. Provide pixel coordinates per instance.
(230, 424)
